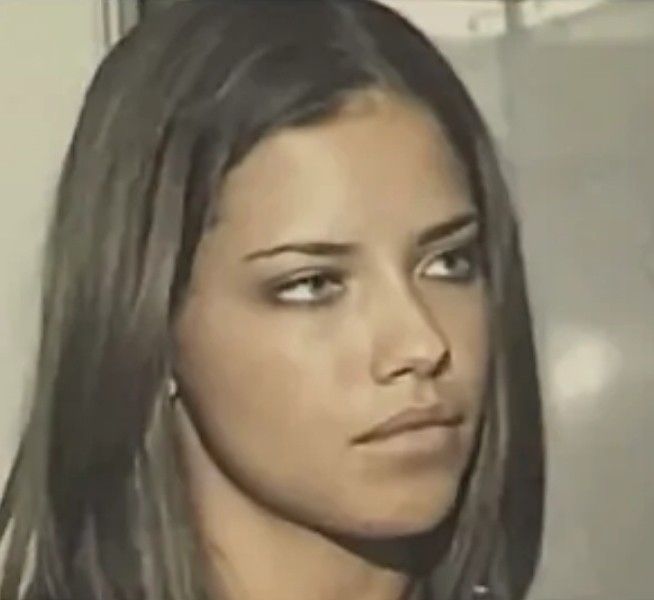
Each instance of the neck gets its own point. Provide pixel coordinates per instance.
(252, 553)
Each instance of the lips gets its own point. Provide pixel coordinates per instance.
(410, 419)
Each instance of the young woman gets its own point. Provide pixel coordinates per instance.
(286, 348)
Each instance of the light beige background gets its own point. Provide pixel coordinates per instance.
(570, 100)
(48, 50)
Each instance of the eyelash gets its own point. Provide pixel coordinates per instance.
(335, 276)
(469, 254)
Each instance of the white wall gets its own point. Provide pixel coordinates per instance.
(454, 18)
(48, 49)
(582, 141)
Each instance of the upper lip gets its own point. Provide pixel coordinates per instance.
(411, 418)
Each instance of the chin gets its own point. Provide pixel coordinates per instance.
(408, 514)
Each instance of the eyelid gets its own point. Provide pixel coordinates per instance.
(468, 249)
(289, 280)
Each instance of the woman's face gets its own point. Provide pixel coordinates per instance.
(340, 289)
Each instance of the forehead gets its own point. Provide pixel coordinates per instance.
(380, 166)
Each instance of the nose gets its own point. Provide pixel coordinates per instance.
(408, 338)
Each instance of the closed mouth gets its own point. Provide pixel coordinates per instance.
(411, 419)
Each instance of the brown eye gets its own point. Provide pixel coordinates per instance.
(313, 288)
(457, 265)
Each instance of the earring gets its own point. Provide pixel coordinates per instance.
(482, 592)
(172, 389)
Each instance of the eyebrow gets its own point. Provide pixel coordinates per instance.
(447, 228)
(431, 234)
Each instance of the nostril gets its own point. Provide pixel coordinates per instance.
(443, 363)
(400, 372)
(426, 367)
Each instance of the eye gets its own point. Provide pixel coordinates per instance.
(459, 264)
(314, 288)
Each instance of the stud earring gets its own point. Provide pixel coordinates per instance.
(482, 592)
(172, 389)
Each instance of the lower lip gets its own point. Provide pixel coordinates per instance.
(434, 440)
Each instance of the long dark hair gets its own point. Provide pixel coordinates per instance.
(93, 508)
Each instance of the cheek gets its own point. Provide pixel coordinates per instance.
(262, 390)
(473, 337)
(242, 373)
(276, 409)
(466, 320)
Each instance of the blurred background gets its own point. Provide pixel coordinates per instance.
(567, 87)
